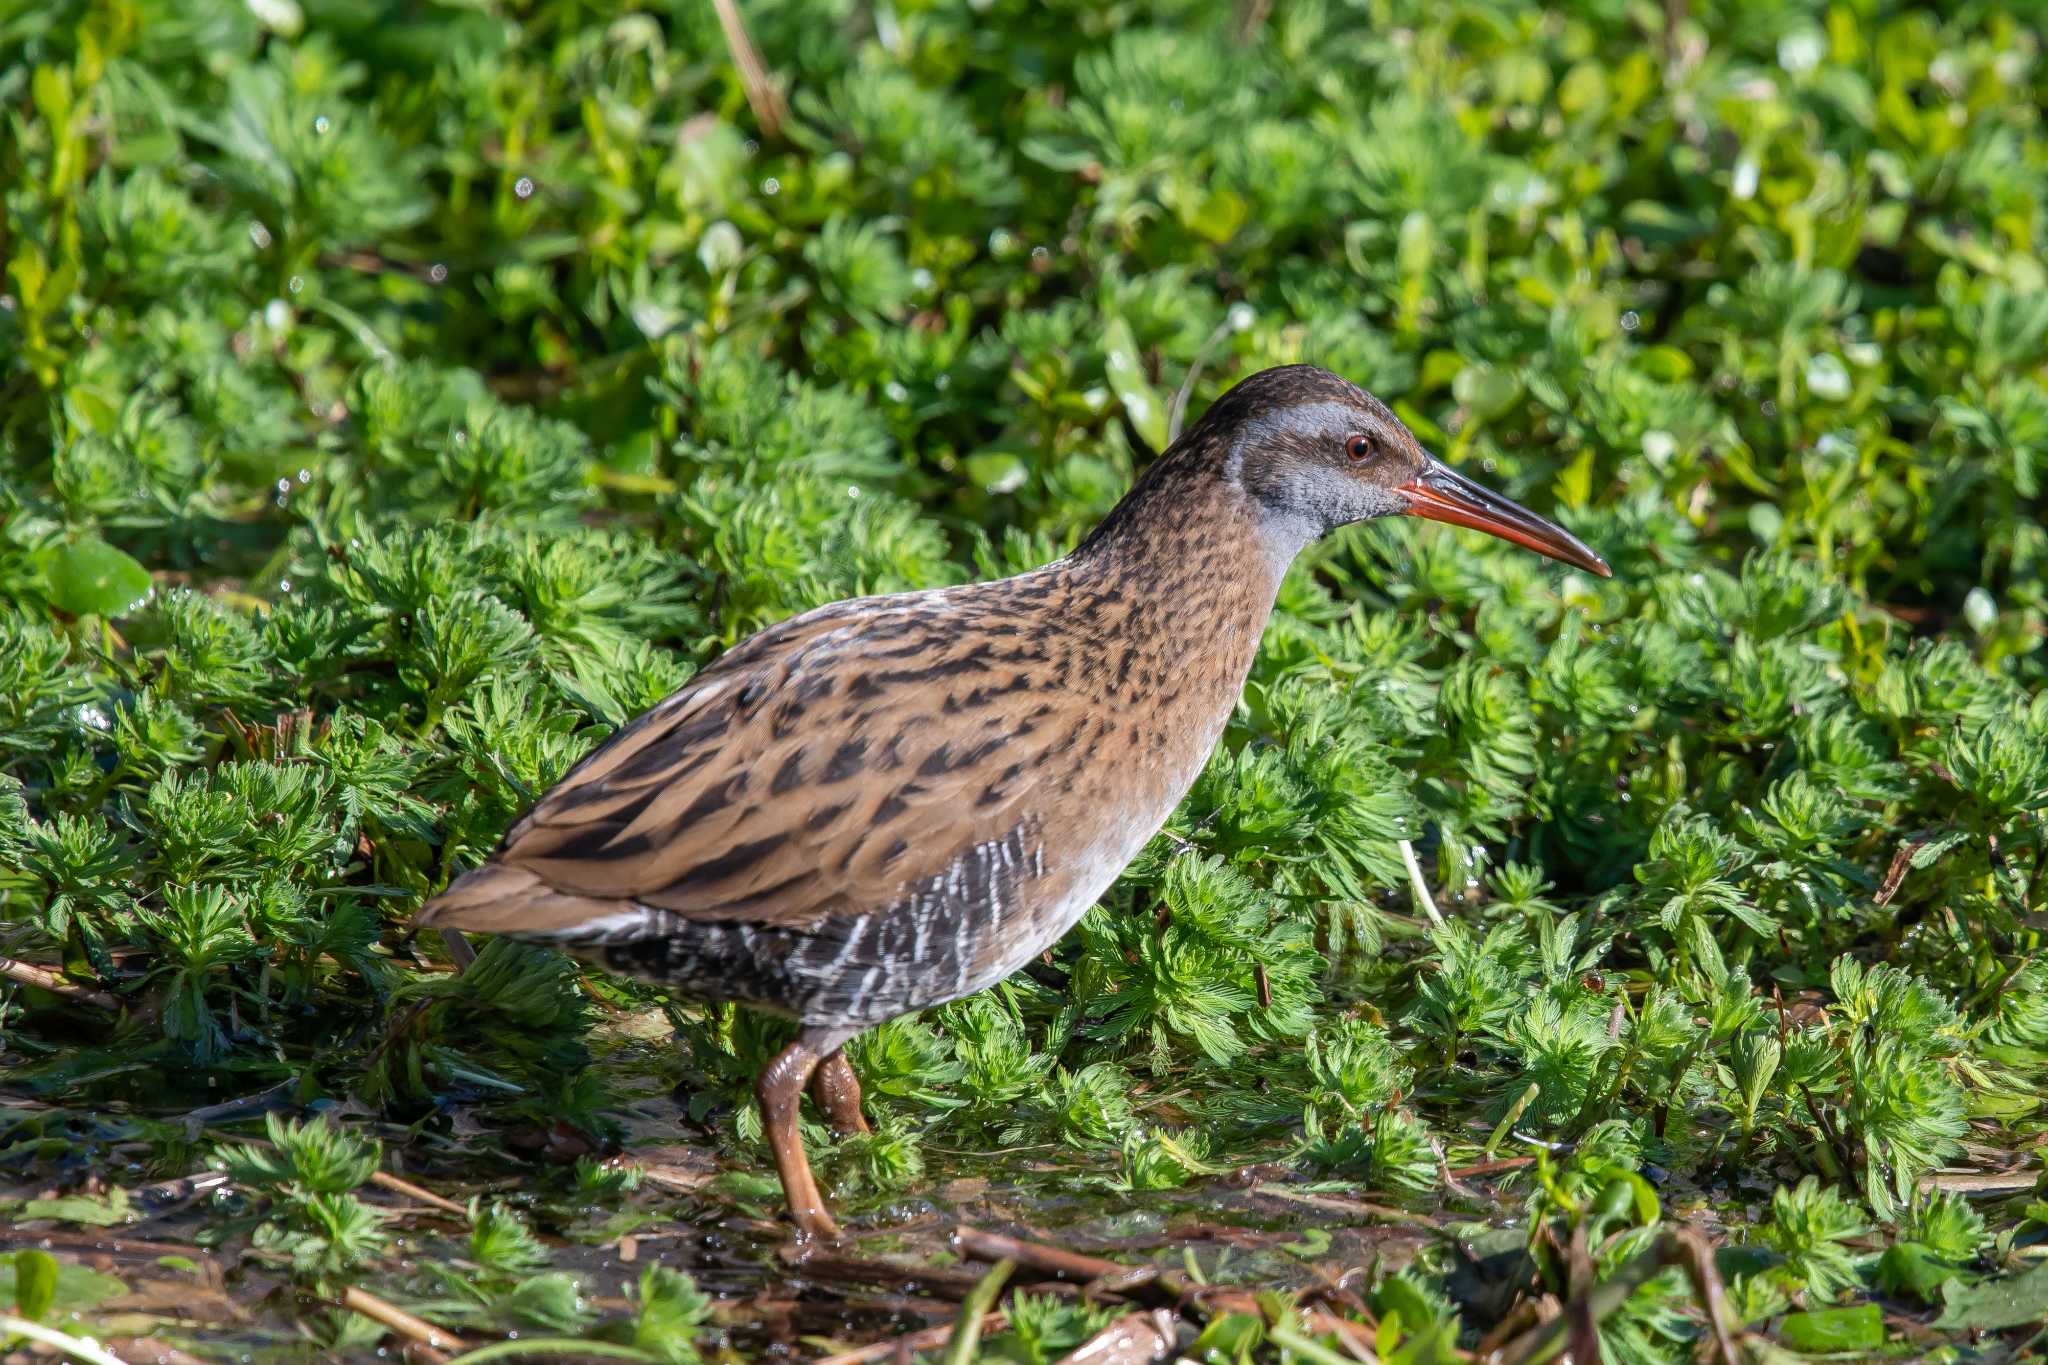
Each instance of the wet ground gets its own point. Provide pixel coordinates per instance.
(155, 1286)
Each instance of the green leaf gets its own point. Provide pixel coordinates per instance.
(1141, 404)
(1909, 1268)
(2014, 1301)
(80, 1208)
(92, 578)
(35, 1283)
(1486, 389)
(1835, 1329)
(998, 471)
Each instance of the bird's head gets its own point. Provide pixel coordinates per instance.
(1314, 452)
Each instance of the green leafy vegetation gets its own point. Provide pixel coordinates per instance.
(396, 398)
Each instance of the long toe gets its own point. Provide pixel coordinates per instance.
(837, 1092)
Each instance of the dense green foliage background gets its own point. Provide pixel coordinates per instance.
(396, 397)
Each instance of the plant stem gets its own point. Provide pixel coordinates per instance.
(967, 1329)
(1420, 886)
(74, 1347)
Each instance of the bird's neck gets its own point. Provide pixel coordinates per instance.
(1193, 568)
(1188, 523)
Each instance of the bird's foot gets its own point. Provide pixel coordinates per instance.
(816, 1234)
(836, 1091)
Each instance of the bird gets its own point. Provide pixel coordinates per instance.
(891, 802)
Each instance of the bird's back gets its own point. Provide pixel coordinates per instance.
(881, 803)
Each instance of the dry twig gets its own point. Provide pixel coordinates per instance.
(412, 1191)
(398, 1320)
(1056, 1261)
(762, 96)
(43, 979)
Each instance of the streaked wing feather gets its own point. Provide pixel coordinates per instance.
(818, 768)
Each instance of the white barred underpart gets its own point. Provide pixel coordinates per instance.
(858, 970)
(631, 922)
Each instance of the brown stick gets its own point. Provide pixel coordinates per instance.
(412, 1191)
(1056, 1261)
(1506, 1163)
(13, 1234)
(1895, 875)
(400, 1321)
(1250, 17)
(1356, 1208)
(762, 96)
(43, 979)
(459, 950)
(928, 1339)
(1698, 1255)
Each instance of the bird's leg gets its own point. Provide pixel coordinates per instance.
(780, 1089)
(837, 1092)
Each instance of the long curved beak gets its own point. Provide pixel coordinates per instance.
(1441, 493)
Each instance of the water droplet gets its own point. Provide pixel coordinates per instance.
(1980, 609)
(943, 382)
(853, 490)
(751, 146)
(295, 284)
(7, 303)
(321, 124)
(1001, 241)
(437, 272)
(1801, 50)
(1747, 172)
(284, 585)
(771, 186)
(284, 486)
(1241, 317)
(1039, 253)
(305, 476)
(523, 187)
(1630, 320)
(896, 392)
(921, 279)
(260, 235)
(1828, 378)
(461, 437)
(277, 315)
(1768, 408)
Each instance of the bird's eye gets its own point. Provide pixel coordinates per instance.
(1360, 448)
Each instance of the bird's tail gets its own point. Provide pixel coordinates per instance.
(501, 899)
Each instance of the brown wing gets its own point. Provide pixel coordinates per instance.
(821, 766)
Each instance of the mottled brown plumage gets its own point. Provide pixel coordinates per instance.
(888, 803)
